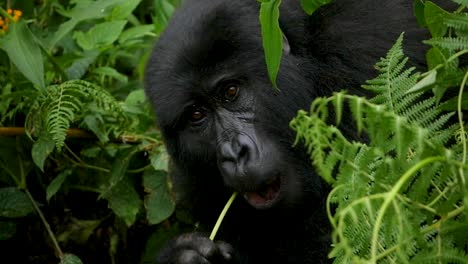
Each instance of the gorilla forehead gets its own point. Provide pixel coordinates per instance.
(206, 32)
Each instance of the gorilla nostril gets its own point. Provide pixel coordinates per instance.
(243, 153)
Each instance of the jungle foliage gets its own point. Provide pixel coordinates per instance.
(401, 196)
(83, 171)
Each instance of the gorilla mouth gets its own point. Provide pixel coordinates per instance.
(266, 196)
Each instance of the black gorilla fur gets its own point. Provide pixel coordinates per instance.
(226, 128)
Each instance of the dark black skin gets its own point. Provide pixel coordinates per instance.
(227, 129)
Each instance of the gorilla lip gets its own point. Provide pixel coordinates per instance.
(266, 196)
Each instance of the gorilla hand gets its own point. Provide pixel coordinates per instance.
(195, 248)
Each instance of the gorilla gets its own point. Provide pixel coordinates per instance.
(227, 129)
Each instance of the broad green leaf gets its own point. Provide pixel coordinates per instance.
(272, 37)
(111, 72)
(24, 52)
(418, 10)
(163, 11)
(310, 6)
(41, 150)
(81, 65)
(124, 201)
(62, 31)
(136, 33)
(56, 183)
(434, 16)
(83, 10)
(160, 160)
(120, 165)
(424, 83)
(436, 56)
(452, 103)
(70, 259)
(123, 10)
(136, 97)
(159, 203)
(95, 124)
(7, 230)
(14, 203)
(100, 35)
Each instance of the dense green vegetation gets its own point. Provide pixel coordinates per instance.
(401, 196)
(82, 169)
(83, 172)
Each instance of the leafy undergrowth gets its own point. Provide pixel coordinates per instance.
(401, 196)
(83, 171)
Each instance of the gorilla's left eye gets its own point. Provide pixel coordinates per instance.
(231, 91)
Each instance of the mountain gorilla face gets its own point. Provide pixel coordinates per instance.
(227, 129)
(218, 110)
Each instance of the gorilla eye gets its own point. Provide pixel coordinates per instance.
(231, 91)
(196, 116)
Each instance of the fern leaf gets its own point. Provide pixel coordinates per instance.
(397, 173)
(54, 111)
(450, 43)
(457, 21)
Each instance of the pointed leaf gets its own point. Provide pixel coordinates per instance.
(159, 203)
(24, 52)
(100, 35)
(70, 259)
(56, 183)
(124, 201)
(424, 83)
(310, 6)
(434, 16)
(160, 160)
(272, 37)
(41, 150)
(14, 203)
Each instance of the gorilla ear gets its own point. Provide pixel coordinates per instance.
(286, 47)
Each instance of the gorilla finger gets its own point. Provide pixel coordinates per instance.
(225, 249)
(203, 245)
(191, 257)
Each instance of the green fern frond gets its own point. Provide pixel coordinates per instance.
(450, 43)
(385, 189)
(443, 254)
(457, 21)
(65, 101)
(61, 104)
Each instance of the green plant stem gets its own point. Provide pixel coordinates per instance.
(4, 13)
(451, 58)
(20, 163)
(46, 224)
(139, 169)
(81, 163)
(221, 216)
(460, 120)
(85, 188)
(389, 198)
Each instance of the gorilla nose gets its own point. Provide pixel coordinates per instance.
(235, 156)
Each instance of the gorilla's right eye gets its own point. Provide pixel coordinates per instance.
(196, 116)
(231, 91)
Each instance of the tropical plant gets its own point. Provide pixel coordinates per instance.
(401, 195)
